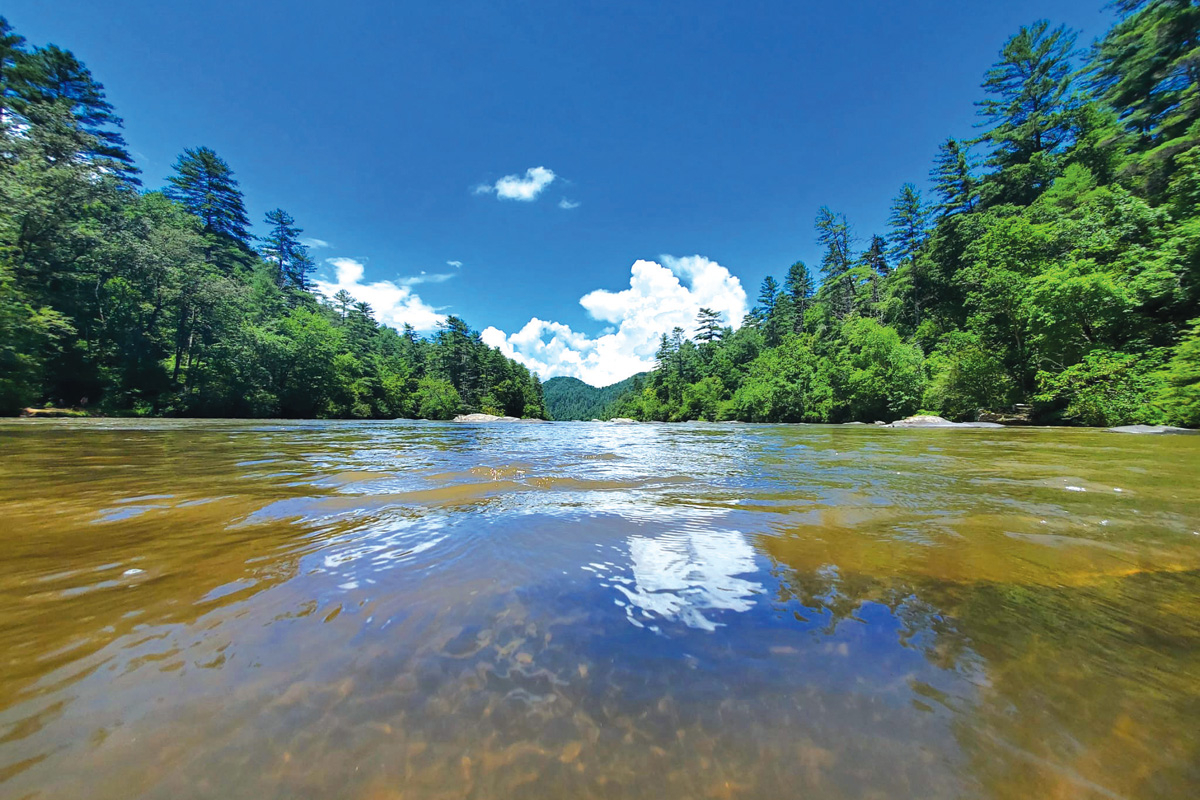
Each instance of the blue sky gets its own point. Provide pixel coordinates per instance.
(711, 129)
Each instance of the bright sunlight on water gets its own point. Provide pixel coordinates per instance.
(407, 610)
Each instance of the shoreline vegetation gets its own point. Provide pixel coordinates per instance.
(920, 421)
(1055, 265)
(122, 302)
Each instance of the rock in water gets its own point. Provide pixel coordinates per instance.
(484, 418)
(1150, 429)
(929, 421)
(922, 421)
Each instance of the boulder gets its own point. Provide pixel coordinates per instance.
(1150, 429)
(484, 418)
(929, 421)
(622, 420)
(922, 421)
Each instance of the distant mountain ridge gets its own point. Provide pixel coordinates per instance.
(572, 399)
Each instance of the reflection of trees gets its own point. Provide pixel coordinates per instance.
(1085, 688)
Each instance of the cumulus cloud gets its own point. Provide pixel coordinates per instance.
(517, 187)
(455, 264)
(393, 301)
(660, 298)
(568, 204)
(315, 244)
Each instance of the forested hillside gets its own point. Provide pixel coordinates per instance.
(121, 300)
(572, 399)
(1057, 262)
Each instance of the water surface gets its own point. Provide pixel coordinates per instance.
(403, 610)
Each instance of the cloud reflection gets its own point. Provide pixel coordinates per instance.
(678, 577)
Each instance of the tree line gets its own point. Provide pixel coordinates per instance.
(1056, 264)
(572, 399)
(126, 301)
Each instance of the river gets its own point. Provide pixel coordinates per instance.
(250, 609)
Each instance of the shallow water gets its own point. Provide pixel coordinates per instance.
(402, 610)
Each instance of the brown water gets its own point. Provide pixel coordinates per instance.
(399, 610)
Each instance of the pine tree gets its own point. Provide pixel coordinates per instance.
(909, 224)
(708, 325)
(360, 324)
(1148, 68)
(1028, 108)
(952, 178)
(799, 289)
(342, 300)
(52, 83)
(664, 354)
(282, 247)
(875, 256)
(875, 260)
(768, 291)
(833, 233)
(12, 52)
(205, 185)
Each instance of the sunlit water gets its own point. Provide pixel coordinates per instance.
(402, 610)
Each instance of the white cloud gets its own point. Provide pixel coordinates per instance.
(568, 204)
(315, 244)
(424, 277)
(455, 264)
(393, 301)
(656, 302)
(517, 187)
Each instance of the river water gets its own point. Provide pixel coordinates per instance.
(234, 609)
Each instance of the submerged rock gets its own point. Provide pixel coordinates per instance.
(1150, 429)
(484, 418)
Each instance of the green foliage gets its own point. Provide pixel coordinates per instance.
(908, 222)
(204, 184)
(1065, 274)
(27, 337)
(1145, 69)
(1106, 388)
(1180, 397)
(880, 377)
(1063, 277)
(154, 303)
(952, 177)
(965, 376)
(572, 399)
(1028, 107)
(436, 399)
